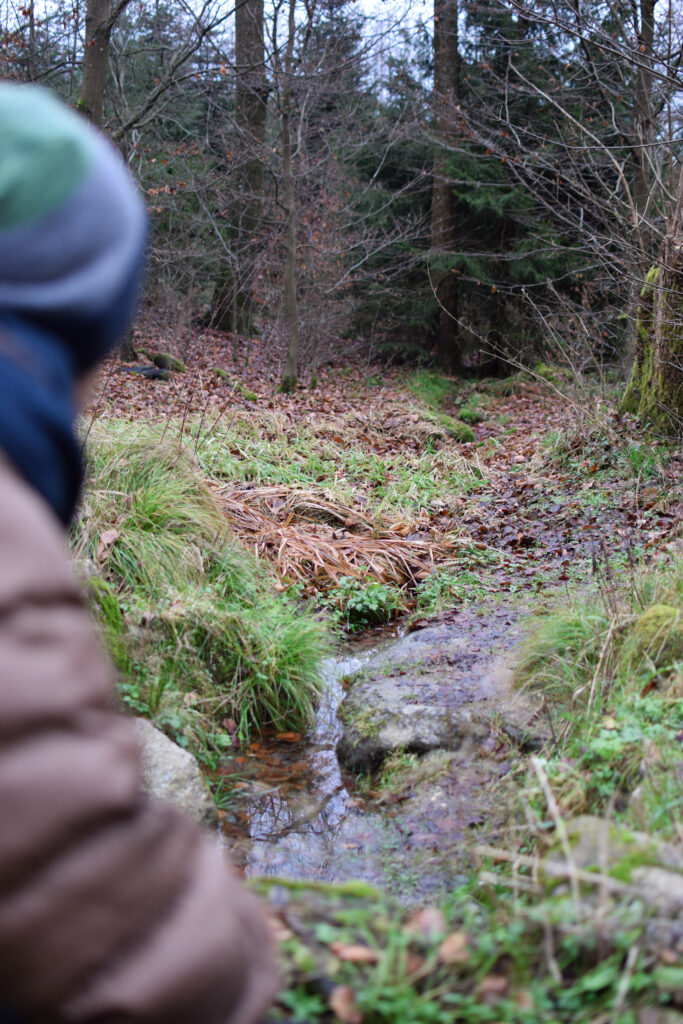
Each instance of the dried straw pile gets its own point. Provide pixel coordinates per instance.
(316, 539)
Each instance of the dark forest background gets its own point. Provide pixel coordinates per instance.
(483, 187)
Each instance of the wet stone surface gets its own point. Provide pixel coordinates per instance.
(436, 689)
(292, 810)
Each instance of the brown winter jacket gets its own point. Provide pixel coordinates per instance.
(113, 908)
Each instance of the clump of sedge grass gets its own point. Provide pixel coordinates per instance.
(195, 624)
(611, 674)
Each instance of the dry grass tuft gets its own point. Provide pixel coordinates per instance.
(341, 542)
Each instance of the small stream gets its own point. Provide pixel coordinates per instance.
(293, 812)
(297, 815)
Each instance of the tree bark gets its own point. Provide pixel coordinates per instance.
(232, 300)
(641, 156)
(443, 221)
(95, 59)
(127, 352)
(32, 55)
(655, 390)
(100, 18)
(291, 312)
(642, 150)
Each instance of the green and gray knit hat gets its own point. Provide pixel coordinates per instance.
(72, 225)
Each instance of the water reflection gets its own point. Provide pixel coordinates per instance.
(292, 812)
(305, 818)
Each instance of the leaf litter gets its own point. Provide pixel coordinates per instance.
(537, 516)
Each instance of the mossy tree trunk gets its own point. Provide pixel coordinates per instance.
(655, 391)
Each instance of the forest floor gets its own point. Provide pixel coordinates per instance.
(374, 506)
(552, 482)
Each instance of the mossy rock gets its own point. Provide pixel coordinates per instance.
(165, 361)
(656, 637)
(501, 387)
(598, 844)
(471, 416)
(457, 430)
(250, 396)
(219, 372)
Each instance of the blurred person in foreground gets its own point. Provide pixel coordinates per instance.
(113, 908)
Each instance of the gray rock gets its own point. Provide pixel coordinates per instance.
(661, 889)
(172, 774)
(428, 691)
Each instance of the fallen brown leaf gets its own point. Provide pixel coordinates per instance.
(288, 737)
(355, 954)
(493, 988)
(427, 923)
(414, 963)
(344, 1006)
(106, 540)
(454, 949)
(279, 931)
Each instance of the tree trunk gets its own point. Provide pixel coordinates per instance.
(32, 55)
(443, 231)
(655, 391)
(127, 353)
(100, 18)
(232, 300)
(642, 150)
(641, 157)
(98, 28)
(291, 312)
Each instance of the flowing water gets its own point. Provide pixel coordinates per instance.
(291, 810)
(297, 815)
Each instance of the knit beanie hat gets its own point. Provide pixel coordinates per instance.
(72, 226)
(72, 232)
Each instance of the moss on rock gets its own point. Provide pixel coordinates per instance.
(459, 431)
(165, 361)
(471, 416)
(541, 369)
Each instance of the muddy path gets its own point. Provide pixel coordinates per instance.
(295, 811)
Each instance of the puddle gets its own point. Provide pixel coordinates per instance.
(293, 812)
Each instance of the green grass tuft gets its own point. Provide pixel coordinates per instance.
(612, 673)
(194, 623)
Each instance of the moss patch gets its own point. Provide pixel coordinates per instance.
(459, 431)
(655, 390)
